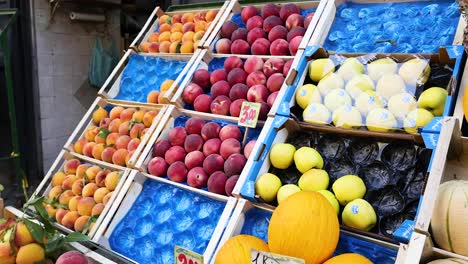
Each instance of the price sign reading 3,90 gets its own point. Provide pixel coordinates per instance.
(249, 114)
(185, 256)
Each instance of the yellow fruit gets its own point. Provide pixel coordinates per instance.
(22, 236)
(331, 198)
(348, 258)
(286, 191)
(307, 158)
(348, 188)
(267, 187)
(320, 68)
(282, 155)
(292, 233)
(307, 94)
(30, 254)
(238, 249)
(166, 85)
(314, 180)
(359, 214)
(316, 114)
(98, 115)
(415, 72)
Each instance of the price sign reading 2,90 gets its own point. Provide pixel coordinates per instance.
(249, 114)
(185, 256)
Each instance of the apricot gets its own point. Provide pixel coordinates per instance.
(119, 157)
(112, 180)
(57, 179)
(200, 26)
(187, 47)
(99, 114)
(124, 128)
(65, 197)
(68, 181)
(88, 149)
(77, 187)
(166, 85)
(112, 139)
(107, 153)
(85, 206)
(176, 36)
(70, 218)
(210, 15)
(81, 222)
(154, 37)
(163, 29)
(175, 47)
(54, 192)
(187, 17)
(127, 114)
(164, 19)
(115, 112)
(100, 193)
(91, 173)
(148, 118)
(91, 133)
(5, 250)
(51, 211)
(81, 170)
(152, 97)
(138, 115)
(60, 214)
(164, 36)
(114, 125)
(188, 36)
(101, 177)
(73, 203)
(89, 189)
(198, 35)
(22, 235)
(128, 157)
(176, 27)
(199, 16)
(70, 166)
(144, 46)
(29, 254)
(97, 209)
(164, 46)
(162, 99)
(97, 151)
(176, 18)
(106, 198)
(135, 132)
(122, 142)
(79, 145)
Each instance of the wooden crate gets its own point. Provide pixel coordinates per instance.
(202, 62)
(58, 165)
(454, 56)
(162, 133)
(111, 88)
(235, 7)
(153, 21)
(369, 247)
(328, 17)
(458, 112)
(87, 121)
(126, 200)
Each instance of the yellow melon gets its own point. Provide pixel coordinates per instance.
(348, 258)
(305, 226)
(237, 250)
(450, 217)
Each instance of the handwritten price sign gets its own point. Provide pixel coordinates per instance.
(185, 256)
(260, 257)
(249, 114)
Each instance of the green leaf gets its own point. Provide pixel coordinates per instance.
(34, 202)
(53, 244)
(103, 132)
(76, 237)
(36, 230)
(44, 217)
(91, 220)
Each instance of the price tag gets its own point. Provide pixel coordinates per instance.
(185, 256)
(249, 114)
(260, 257)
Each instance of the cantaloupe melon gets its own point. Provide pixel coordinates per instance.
(237, 250)
(348, 258)
(449, 261)
(449, 223)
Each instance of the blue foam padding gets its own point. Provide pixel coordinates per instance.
(162, 217)
(415, 27)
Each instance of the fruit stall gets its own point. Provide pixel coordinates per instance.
(309, 132)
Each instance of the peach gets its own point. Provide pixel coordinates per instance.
(177, 172)
(73, 203)
(287, 67)
(57, 179)
(202, 103)
(164, 46)
(136, 131)
(191, 92)
(104, 122)
(77, 187)
(232, 62)
(263, 111)
(239, 91)
(257, 93)
(89, 189)
(81, 170)
(79, 145)
(154, 37)
(124, 129)
(294, 20)
(236, 75)
(273, 65)
(218, 75)
(248, 12)
(229, 147)
(72, 257)
(31, 253)
(223, 46)
(212, 163)
(80, 223)
(308, 19)
(294, 45)
(101, 177)
(230, 131)
(270, 9)
(97, 209)
(60, 214)
(194, 159)
(255, 34)
(271, 22)
(99, 194)
(198, 36)
(275, 81)
(187, 17)
(234, 164)
(127, 114)
(65, 197)
(128, 157)
(175, 153)
(115, 112)
(97, 151)
(69, 219)
(240, 46)
(227, 29)
(111, 139)
(99, 114)
(230, 184)
(148, 118)
(249, 147)
(138, 115)
(100, 138)
(144, 46)
(51, 211)
(157, 166)
(88, 149)
(68, 181)
(193, 142)
(70, 166)
(188, 27)
(236, 106)
(107, 154)
(197, 177)
(177, 27)
(279, 47)
(153, 47)
(194, 125)
(220, 88)
(252, 64)
(200, 26)
(175, 47)
(133, 144)
(287, 10)
(176, 36)
(91, 173)
(211, 146)
(112, 180)
(85, 205)
(176, 18)
(278, 32)
(187, 47)
(177, 136)
(122, 142)
(256, 77)
(91, 133)
(164, 19)
(188, 36)
(254, 22)
(220, 105)
(22, 235)
(210, 130)
(271, 98)
(119, 157)
(261, 46)
(210, 15)
(240, 33)
(106, 198)
(160, 147)
(164, 28)
(202, 78)
(216, 182)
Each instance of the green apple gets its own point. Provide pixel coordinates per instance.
(316, 114)
(285, 191)
(331, 198)
(314, 180)
(282, 155)
(307, 158)
(348, 188)
(380, 120)
(347, 116)
(336, 98)
(433, 99)
(367, 101)
(381, 67)
(415, 72)
(358, 84)
(330, 82)
(359, 214)
(350, 68)
(419, 117)
(267, 187)
(307, 94)
(401, 104)
(319, 68)
(389, 85)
